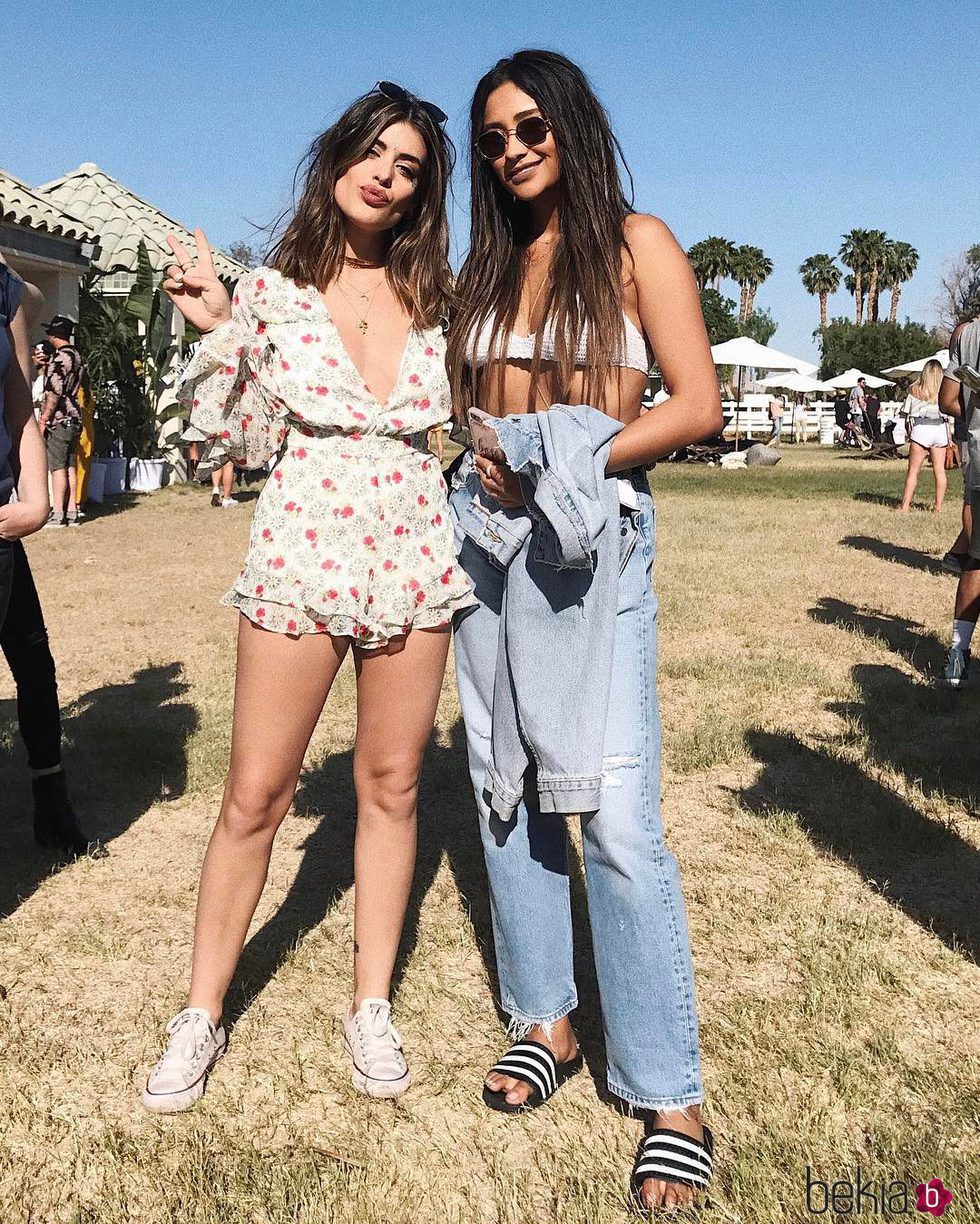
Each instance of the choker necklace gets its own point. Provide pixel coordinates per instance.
(353, 262)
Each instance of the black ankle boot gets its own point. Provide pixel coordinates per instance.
(55, 823)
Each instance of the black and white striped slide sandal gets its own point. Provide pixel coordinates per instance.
(535, 1065)
(671, 1156)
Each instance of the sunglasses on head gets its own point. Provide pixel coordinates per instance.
(396, 93)
(530, 132)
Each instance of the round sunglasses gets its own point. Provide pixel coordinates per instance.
(530, 132)
(396, 93)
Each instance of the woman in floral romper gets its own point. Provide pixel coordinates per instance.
(334, 356)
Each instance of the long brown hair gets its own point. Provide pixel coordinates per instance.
(311, 248)
(586, 289)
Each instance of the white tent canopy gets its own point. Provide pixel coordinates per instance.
(850, 379)
(916, 367)
(792, 381)
(744, 351)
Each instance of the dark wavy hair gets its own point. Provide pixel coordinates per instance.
(311, 248)
(586, 289)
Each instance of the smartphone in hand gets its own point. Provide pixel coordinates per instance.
(484, 435)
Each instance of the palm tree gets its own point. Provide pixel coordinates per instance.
(852, 255)
(759, 269)
(739, 270)
(821, 276)
(699, 264)
(901, 260)
(711, 259)
(875, 253)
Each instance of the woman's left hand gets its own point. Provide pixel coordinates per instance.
(500, 481)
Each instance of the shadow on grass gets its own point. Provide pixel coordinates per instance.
(919, 648)
(124, 749)
(921, 867)
(877, 499)
(448, 824)
(894, 552)
(911, 724)
(118, 503)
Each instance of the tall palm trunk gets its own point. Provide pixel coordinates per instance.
(873, 296)
(823, 311)
(743, 306)
(858, 298)
(750, 305)
(893, 313)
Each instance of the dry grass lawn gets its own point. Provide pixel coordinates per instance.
(822, 796)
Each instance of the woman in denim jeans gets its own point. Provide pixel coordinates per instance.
(565, 295)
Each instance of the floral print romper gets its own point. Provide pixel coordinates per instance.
(350, 535)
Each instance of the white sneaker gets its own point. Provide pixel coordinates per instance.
(178, 1079)
(372, 1041)
(227, 503)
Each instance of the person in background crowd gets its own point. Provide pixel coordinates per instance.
(41, 354)
(959, 551)
(61, 418)
(872, 411)
(840, 409)
(222, 479)
(777, 409)
(959, 400)
(928, 435)
(23, 637)
(799, 417)
(857, 404)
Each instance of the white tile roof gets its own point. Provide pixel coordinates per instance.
(22, 206)
(121, 218)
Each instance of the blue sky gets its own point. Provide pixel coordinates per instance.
(780, 125)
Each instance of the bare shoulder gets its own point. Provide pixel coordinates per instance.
(649, 230)
(655, 251)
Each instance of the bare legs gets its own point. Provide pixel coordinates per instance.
(222, 479)
(281, 686)
(397, 695)
(938, 456)
(961, 544)
(917, 457)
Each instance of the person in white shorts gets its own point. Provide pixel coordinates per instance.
(928, 435)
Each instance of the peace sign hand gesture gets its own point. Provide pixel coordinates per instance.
(193, 286)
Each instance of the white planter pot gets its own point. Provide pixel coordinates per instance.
(145, 475)
(115, 476)
(96, 482)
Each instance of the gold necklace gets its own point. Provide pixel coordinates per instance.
(369, 296)
(534, 301)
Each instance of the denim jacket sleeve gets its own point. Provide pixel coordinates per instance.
(561, 457)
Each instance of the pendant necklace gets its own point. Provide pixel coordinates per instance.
(365, 296)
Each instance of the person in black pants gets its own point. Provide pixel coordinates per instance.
(23, 636)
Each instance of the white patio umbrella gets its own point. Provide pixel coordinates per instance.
(792, 381)
(744, 352)
(850, 379)
(916, 367)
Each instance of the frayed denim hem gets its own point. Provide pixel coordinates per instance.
(679, 1105)
(519, 1026)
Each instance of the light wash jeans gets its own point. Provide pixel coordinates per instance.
(636, 908)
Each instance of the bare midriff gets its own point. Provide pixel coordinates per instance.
(623, 391)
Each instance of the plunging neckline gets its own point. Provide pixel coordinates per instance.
(382, 403)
